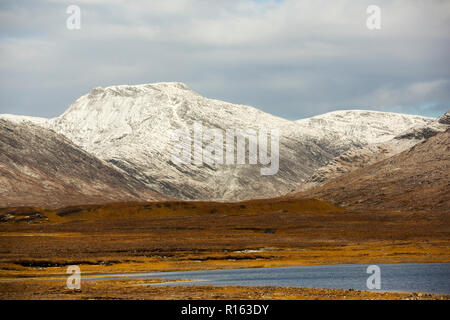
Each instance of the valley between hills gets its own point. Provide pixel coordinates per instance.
(94, 188)
(173, 236)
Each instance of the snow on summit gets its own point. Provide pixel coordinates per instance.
(348, 128)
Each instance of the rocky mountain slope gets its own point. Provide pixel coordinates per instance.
(339, 131)
(131, 128)
(360, 156)
(39, 167)
(415, 179)
(426, 131)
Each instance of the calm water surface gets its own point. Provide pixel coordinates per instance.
(406, 277)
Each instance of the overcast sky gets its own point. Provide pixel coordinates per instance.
(290, 58)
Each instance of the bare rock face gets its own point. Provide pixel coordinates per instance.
(39, 167)
(445, 119)
(415, 179)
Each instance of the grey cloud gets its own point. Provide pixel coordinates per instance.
(290, 58)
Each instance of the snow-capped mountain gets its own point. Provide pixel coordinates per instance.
(426, 131)
(43, 122)
(414, 180)
(339, 131)
(131, 127)
(363, 155)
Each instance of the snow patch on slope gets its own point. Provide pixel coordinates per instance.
(23, 119)
(342, 130)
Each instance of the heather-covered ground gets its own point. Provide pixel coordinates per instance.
(168, 236)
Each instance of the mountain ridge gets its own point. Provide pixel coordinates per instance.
(129, 127)
(42, 168)
(415, 179)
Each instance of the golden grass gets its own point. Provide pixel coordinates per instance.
(146, 289)
(127, 210)
(176, 235)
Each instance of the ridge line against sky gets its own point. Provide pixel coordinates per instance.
(293, 59)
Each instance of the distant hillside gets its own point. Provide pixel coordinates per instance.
(415, 179)
(39, 167)
(361, 156)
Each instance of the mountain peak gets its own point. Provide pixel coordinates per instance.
(130, 127)
(133, 90)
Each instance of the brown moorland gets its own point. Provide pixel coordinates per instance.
(145, 289)
(178, 235)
